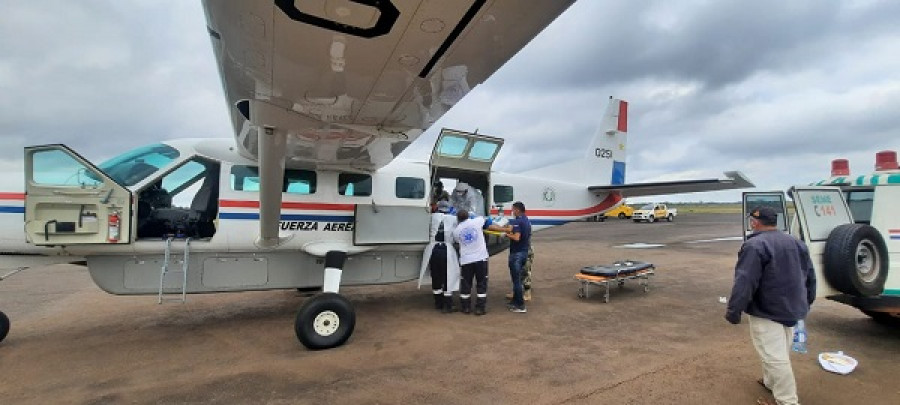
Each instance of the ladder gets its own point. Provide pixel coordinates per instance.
(165, 270)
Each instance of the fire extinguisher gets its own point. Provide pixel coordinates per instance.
(114, 226)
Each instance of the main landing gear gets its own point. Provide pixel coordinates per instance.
(327, 319)
(4, 326)
(4, 320)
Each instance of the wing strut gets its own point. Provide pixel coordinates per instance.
(272, 142)
(271, 121)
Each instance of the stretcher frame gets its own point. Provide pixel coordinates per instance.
(587, 280)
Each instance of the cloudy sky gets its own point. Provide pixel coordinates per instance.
(771, 88)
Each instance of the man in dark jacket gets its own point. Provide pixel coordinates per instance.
(774, 283)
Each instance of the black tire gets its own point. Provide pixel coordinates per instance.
(651, 219)
(856, 260)
(315, 323)
(670, 217)
(884, 318)
(4, 326)
(621, 215)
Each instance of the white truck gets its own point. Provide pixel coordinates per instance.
(654, 212)
(852, 229)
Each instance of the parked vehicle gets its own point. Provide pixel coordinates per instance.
(852, 230)
(654, 212)
(622, 212)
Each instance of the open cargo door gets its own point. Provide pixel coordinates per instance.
(465, 151)
(69, 201)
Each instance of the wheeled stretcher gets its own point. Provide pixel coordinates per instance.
(617, 272)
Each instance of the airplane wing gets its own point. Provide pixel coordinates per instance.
(733, 180)
(349, 84)
(353, 82)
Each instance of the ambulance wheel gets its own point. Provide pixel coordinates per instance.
(670, 218)
(621, 215)
(325, 321)
(651, 219)
(856, 260)
(4, 326)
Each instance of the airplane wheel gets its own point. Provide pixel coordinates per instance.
(621, 215)
(325, 321)
(4, 326)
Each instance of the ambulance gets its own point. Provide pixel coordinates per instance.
(852, 229)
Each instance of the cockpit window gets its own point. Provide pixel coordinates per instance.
(135, 165)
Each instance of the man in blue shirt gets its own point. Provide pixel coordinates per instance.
(519, 233)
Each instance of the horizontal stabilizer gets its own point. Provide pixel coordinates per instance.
(733, 180)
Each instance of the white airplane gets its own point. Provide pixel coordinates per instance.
(323, 96)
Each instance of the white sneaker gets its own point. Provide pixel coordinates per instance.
(521, 310)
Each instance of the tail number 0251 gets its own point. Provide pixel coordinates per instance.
(388, 16)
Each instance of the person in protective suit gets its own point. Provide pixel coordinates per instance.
(465, 198)
(441, 259)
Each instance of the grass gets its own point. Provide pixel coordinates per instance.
(708, 208)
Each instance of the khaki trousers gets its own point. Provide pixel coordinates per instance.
(772, 341)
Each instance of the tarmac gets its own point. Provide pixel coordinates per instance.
(72, 343)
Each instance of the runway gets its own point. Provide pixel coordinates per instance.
(72, 343)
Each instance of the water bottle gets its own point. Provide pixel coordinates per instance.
(799, 344)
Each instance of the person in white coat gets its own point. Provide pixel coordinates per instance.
(441, 260)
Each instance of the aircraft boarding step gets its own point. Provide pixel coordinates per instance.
(165, 270)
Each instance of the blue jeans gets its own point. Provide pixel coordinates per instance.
(516, 264)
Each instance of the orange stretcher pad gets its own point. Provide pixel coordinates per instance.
(618, 272)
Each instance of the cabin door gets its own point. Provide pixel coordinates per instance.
(69, 201)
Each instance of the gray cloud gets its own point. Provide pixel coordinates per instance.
(771, 88)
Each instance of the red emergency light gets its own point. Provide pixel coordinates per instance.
(886, 160)
(840, 167)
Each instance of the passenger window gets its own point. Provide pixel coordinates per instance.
(503, 194)
(299, 181)
(409, 187)
(354, 184)
(296, 181)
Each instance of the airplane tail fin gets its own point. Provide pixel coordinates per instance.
(604, 159)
